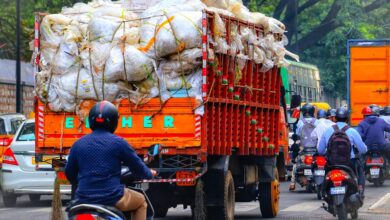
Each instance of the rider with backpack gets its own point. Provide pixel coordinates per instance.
(339, 143)
(323, 124)
(305, 127)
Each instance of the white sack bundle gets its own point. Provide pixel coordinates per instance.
(172, 33)
(183, 63)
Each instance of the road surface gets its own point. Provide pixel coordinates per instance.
(293, 205)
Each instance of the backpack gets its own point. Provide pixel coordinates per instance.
(339, 147)
(307, 129)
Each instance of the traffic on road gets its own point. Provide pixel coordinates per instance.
(195, 109)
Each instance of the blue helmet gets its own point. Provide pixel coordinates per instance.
(321, 114)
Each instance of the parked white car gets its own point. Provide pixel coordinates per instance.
(19, 173)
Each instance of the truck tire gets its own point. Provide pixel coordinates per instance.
(160, 212)
(9, 200)
(269, 197)
(199, 211)
(34, 198)
(225, 212)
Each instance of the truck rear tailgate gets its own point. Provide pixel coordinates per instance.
(369, 75)
(173, 126)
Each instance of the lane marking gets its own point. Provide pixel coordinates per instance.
(39, 210)
(380, 202)
(246, 207)
(4, 209)
(303, 207)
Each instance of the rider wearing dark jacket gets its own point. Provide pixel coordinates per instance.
(95, 160)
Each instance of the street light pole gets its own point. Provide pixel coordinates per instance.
(18, 87)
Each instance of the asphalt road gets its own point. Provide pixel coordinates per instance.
(293, 205)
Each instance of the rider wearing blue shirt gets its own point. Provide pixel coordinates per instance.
(95, 161)
(356, 142)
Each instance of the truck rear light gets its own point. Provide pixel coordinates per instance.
(320, 161)
(9, 157)
(308, 160)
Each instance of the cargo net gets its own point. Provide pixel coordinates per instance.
(107, 50)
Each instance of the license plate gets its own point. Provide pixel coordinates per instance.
(307, 172)
(374, 171)
(337, 190)
(319, 172)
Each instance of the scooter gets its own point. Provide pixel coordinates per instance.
(78, 211)
(318, 166)
(376, 167)
(304, 171)
(341, 192)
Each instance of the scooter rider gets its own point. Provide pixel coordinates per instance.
(386, 116)
(95, 160)
(322, 125)
(372, 130)
(331, 115)
(305, 127)
(355, 140)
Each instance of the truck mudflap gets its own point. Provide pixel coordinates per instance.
(267, 166)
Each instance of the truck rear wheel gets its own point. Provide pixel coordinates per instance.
(225, 212)
(269, 197)
(199, 207)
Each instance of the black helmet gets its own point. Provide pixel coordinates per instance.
(331, 113)
(342, 114)
(386, 110)
(103, 115)
(307, 110)
(321, 114)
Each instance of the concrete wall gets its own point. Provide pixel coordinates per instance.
(8, 98)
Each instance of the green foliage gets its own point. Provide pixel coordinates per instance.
(323, 28)
(27, 10)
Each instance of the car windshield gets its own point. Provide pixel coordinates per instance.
(27, 133)
(2, 127)
(15, 123)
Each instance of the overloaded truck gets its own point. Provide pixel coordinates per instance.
(229, 152)
(368, 72)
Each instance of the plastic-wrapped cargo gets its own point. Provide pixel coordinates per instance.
(132, 49)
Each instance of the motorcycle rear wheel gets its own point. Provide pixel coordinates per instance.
(377, 182)
(354, 214)
(341, 212)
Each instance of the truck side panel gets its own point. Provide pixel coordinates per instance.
(369, 75)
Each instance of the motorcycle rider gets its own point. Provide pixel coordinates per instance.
(386, 116)
(95, 160)
(331, 115)
(355, 140)
(305, 127)
(323, 124)
(372, 130)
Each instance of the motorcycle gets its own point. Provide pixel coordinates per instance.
(318, 166)
(304, 171)
(376, 167)
(92, 211)
(341, 192)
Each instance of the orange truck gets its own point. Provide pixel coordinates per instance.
(368, 75)
(231, 153)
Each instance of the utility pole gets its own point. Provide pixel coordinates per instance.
(18, 87)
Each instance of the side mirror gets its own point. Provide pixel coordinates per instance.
(296, 101)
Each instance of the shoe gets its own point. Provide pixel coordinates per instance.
(292, 186)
